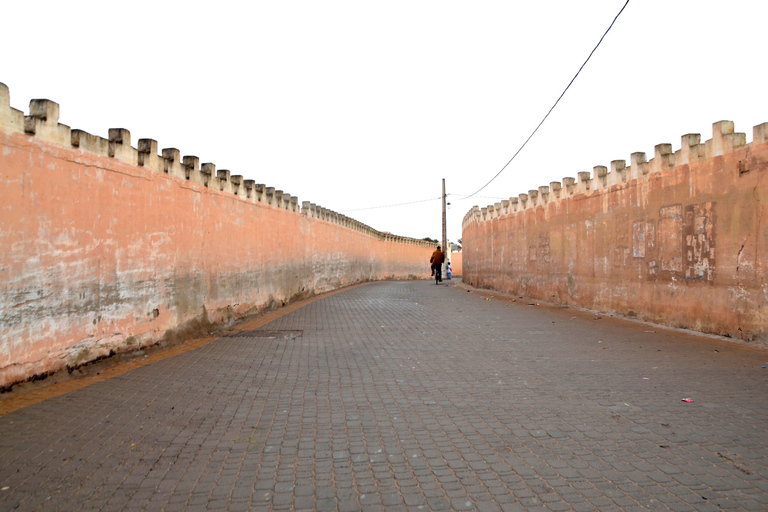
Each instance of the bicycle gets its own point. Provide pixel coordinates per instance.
(438, 274)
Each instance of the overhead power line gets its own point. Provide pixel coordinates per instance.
(553, 106)
(392, 205)
(484, 197)
(412, 202)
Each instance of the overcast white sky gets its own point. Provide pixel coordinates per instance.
(354, 104)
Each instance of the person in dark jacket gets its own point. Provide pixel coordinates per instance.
(437, 259)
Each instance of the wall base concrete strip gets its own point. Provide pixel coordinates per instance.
(16, 401)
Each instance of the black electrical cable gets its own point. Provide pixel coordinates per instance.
(553, 106)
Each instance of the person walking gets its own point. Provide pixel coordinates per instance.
(437, 259)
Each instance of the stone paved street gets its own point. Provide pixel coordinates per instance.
(409, 396)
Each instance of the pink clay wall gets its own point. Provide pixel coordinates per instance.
(456, 263)
(99, 255)
(680, 240)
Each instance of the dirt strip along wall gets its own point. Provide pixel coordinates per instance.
(106, 248)
(680, 240)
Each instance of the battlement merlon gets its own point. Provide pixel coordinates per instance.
(723, 140)
(690, 149)
(290, 202)
(5, 98)
(760, 134)
(191, 169)
(269, 195)
(663, 158)
(544, 193)
(11, 120)
(172, 163)
(120, 146)
(555, 189)
(208, 173)
(43, 123)
(569, 184)
(258, 192)
(250, 191)
(585, 182)
(600, 176)
(224, 184)
(533, 198)
(238, 187)
(639, 164)
(618, 174)
(148, 154)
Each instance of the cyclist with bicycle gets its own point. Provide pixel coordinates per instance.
(437, 259)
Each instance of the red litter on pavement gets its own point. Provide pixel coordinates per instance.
(689, 400)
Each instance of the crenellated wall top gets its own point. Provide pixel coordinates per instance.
(42, 124)
(724, 140)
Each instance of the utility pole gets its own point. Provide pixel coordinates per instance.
(446, 249)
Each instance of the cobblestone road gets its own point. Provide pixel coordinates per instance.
(408, 396)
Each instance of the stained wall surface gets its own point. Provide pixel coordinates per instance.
(456, 263)
(106, 247)
(680, 240)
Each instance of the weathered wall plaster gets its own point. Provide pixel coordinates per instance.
(680, 240)
(105, 247)
(456, 263)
